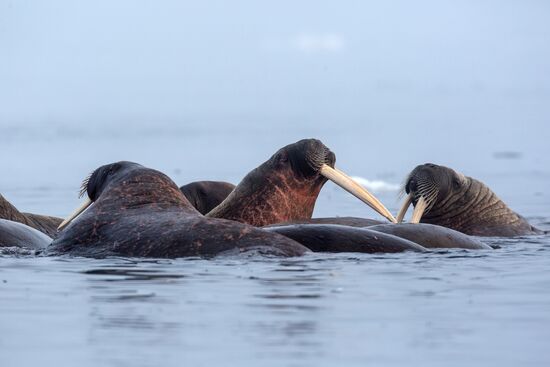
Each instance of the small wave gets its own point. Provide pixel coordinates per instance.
(18, 251)
(376, 185)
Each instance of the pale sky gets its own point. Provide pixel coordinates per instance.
(74, 62)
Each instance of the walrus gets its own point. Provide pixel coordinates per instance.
(206, 195)
(426, 235)
(442, 196)
(339, 238)
(431, 236)
(286, 186)
(15, 234)
(43, 223)
(135, 211)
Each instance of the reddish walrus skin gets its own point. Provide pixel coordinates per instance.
(140, 212)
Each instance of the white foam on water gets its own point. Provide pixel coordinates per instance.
(376, 185)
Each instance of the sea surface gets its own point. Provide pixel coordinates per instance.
(451, 307)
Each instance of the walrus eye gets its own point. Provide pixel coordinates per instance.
(113, 168)
(282, 158)
(456, 183)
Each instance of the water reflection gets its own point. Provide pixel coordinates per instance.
(117, 275)
(319, 309)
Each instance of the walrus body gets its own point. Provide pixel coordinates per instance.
(426, 235)
(43, 223)
(447, 198)
(140, 212)
(206, 195)
(431, 236)
(20, 235)
(338, 238)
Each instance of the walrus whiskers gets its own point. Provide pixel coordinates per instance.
(84, 185)
(427, 193)
(348, 184)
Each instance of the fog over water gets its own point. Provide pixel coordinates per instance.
(209, 90)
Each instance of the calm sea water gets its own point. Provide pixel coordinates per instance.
(450, 308)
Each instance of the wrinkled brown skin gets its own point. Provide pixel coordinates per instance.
(282, 189)
(467, 205)
(338, 238)
(140, 212)
(20, 235)
(206, 195)
(432, 236)
(43, 223)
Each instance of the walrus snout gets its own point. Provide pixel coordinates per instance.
(411, 186)
(423, 187)
(420, 174)
(315, 154)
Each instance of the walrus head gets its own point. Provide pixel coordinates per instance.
(303, 161)
(428, 187)
(95, 183)
(445, 197)
(120, 181)
(286, 186)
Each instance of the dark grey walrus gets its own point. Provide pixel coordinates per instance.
(206, 195)
(15, 234)
(431, 236)
(447, 198)
(339, 238)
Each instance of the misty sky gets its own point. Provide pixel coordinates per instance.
(210, 89)
(112, 61)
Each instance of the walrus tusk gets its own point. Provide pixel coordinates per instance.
(408, 201)
(75, 214)
(419, 209)
(348, 184)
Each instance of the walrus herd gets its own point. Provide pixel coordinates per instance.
(131, 210)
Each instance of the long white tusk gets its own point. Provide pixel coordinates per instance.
(408, 201)
(348, 184)
(75, 214)
(419, 209)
